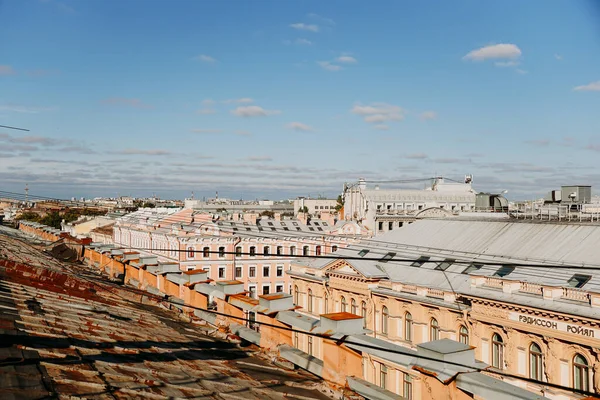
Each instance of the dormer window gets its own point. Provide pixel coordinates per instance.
(504, 271)
(578, 280)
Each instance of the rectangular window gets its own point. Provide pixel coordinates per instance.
(238, 251)
(407, 392)
(578, 280)
(420, 261)
(444, 265)
(383, 376)
(279, 288)
(363, 252)
(504, 270)
(238, 272)
(472, 268)
(266, 251)
(266, 270)
(279, 250)
(252, 272)
(221, 252)
(387, 257)
(390, 226)
(266, 289)
(310, 345)
(221, 272)
(292, 250)
(280, 270)
(380, 226)
(252, 251)
(252, 290)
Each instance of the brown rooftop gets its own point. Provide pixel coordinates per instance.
(340, 316)
(244, 298)
(230, 283)
(195, 272)
(274, 296)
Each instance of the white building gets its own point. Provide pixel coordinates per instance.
(384, 210)
(315, 206)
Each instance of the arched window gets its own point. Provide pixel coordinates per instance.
(296, 294)
(318, 250)
(343, 304)
(292, 250)
(238, 251)
(497, 351)
(385, 316)
(190, 252)
(334, 248)
(581, 373)
(408, 327)
(353, 307)
(535, 362)
(279, 250)
(310, 301)
(221, 251)
(266, 251)
(363, 313)
(206, 252)
(305, 251)
(463, 335)
(434, 330)
(252, 251)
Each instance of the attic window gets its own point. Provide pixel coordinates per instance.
(578, 280)
(363, 252)
(504, 270)
(295, 223)
(298, 228)
(472, 268)
(420, 261)
(273, 229)
(270, 223)
(285, 228)
(320, 229)
(316, 223)
(248, 229)
(260, 228)
(235, 229)
(324, 224)
(445, 264)
(283, 224)
(311, 228)
(387, 257)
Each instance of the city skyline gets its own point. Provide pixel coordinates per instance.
(286, 99)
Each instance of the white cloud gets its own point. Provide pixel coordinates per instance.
(382, 127)
(259, 158)
(590, 87)
(427, 115)
(205, 58)
(208, 102)
(521, 71)
(242, 133)
(378, 112)
(305, 27)
(253, 111)
(299, 126)
(6, 70)
(243, 100)
(329, 66)
(144, 152)
(346, 60)
(206, 111)
(558, 57)
(506, 64)
(496, 51)
(321, 19)
(417, 156)
(207, 130)
(303, 42)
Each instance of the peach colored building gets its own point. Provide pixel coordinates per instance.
(256, 251)
(472, 282)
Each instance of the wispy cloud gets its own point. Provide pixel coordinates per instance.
(346, 60)
(305, 27)
(127, 102)
(253, 111)
(558, 57)
(496, 51)
(321, 19)
(303, 42)
(259, 158)
(590, 87)
(538, 142)
(42, 140)
(506, 64)
(144, 152)
(378, 112)
(205, 58)
(329, 66)
(242, 100)
(416, 156)
(593, 147)
(242, 133)
(427, 115)
(207, 130)
(7, 70)
(208, 102)
(206, 111)
(299, 126)
(24, 109)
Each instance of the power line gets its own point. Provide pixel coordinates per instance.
(15, 128)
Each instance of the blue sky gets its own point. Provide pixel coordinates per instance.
(287, 98)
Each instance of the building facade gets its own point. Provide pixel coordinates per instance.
(464, 283)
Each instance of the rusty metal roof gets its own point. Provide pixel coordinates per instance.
(72, 335)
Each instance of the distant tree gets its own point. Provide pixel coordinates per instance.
(148, 205)
(52, 219)
(29, 216)
(267, 213)
(303, 209)
(223, 209)
(340, 203)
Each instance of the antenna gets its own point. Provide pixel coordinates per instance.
(26, 194)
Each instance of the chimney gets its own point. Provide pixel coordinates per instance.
(303, 218)
(342, 323)
(251, 217)
(277, 216)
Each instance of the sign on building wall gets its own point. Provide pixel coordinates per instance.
(561, 326)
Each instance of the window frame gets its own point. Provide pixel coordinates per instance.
(583, 383)
(408, 327)
(497, 351)
(535, 361)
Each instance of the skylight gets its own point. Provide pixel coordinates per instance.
(387, 257)
(420, 261)
(504, 270)
(445, 264)
(578, 280)
(363, 252)
(472, 268)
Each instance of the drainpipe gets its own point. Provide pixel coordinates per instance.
(235, 243)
